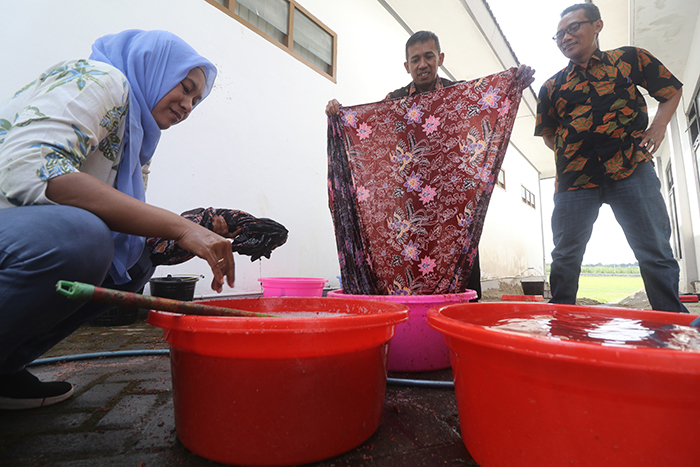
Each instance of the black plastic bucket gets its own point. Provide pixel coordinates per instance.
(117, 316)
(175, 287)
(533, 287)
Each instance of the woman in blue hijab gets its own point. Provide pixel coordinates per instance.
(73, 147)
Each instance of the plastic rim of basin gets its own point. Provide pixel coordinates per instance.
(524, 400)
(279, 391)
(416, 346)
(292, 286)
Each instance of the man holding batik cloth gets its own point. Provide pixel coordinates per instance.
(421, 159)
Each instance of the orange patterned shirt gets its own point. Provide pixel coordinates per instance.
(598, 115)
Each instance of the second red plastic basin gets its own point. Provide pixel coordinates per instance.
(279, 391)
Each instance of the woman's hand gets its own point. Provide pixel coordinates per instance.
(220, 227)
(123, 213)
(214, 249)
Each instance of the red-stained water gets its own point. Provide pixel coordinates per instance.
(601, 329)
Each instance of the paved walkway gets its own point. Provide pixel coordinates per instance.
(122, 414)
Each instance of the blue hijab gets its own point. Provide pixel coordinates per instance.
(154, 62)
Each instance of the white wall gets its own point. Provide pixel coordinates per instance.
(683, 156)
(258, 143)
(509, 242)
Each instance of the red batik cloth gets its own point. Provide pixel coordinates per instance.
(409, 183)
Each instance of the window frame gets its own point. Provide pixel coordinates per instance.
(693, 131)
(528, 197)
(501, 175)
(673, 214)
(229, 8)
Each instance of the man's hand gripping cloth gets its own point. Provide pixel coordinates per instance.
(257, 237)
(409, 182)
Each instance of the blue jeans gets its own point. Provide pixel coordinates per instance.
(40, 245)
(639, 208)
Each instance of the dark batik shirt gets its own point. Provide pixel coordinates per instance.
(598, 115)
(410, 89)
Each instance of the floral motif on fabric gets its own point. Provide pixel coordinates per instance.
(65, 158)
(5, 126)
(364, 131)
(110, 145)
(427, 194)
(426, 162)
(431, 124)
(349, 118)
(490, 99)
(427, 265)
(410, 251)
(79, 72)
(413, 182)
(414, 114)
(362, 194)
(505, 108)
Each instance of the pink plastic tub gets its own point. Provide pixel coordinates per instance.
(292, 286)
(279, 391)
(416, 346)
(556, 385)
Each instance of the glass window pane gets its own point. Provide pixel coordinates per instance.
(693, 122)
(270, 16)
(312, 42)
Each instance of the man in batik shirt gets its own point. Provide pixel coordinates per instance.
(593, 116)
(423, 58)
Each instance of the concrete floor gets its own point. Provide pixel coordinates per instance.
(122, 413)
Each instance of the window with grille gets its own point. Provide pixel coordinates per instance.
(286, 24)
(501, 180)
(694, 131)
(673, 211)
(527, 196)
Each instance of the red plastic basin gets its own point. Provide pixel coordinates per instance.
(279, 391)
(534, 401)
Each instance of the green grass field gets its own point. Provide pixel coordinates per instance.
(608, 289)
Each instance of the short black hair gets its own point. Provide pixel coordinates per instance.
(591, 11)
(422, 36)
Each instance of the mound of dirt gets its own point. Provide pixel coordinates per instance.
(638, 300)
(504, 288)
(588, 302)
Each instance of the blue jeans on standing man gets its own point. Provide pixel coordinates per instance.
(40, 245)
(639, 208)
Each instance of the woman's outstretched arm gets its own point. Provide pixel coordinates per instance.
(123, 213)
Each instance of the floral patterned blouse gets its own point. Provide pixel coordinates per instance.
(72, 118)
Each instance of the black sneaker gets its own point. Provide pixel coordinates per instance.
(23, 390)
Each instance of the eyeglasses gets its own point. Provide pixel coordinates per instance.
(572, 29)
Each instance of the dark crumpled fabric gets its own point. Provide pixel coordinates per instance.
(258, 237)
